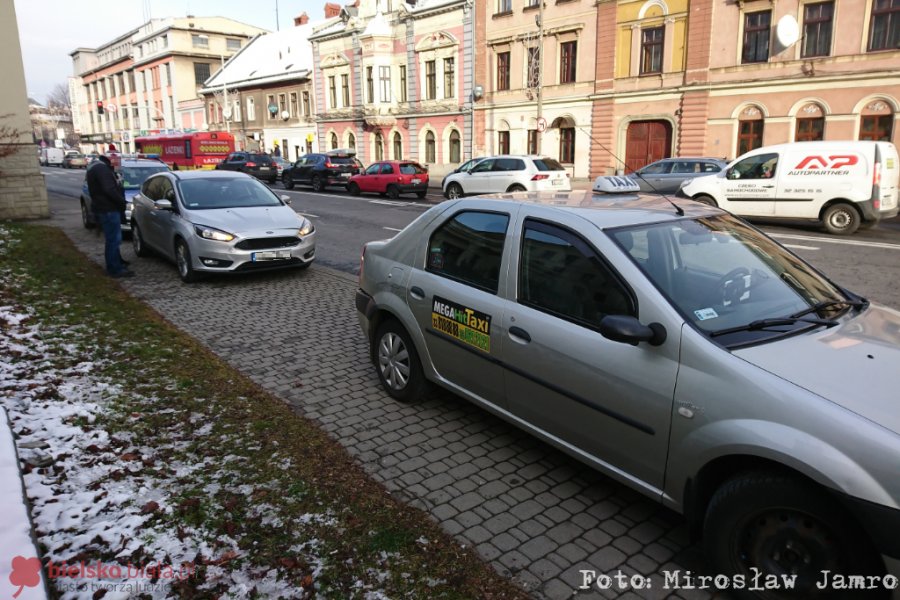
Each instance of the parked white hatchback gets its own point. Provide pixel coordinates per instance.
(508, 173)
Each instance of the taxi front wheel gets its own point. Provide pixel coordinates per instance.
(397, 362)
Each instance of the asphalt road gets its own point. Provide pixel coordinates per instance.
(867, 262)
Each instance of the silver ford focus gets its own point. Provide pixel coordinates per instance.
(219, 222)
(677, 349)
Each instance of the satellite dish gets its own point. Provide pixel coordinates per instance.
(787, 32)
(285, 115)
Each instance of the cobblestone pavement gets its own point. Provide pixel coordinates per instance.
(535, 514)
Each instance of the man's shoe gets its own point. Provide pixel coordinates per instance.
(125, 263)
(120, 274)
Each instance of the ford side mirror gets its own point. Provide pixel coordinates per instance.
(628, 330)
(285, 198)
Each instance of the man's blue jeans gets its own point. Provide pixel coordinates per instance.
(111, 222)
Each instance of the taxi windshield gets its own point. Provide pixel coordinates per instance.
(133, 177)
(731, 281)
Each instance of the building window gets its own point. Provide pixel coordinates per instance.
(504, 7)
(398, 147)
(164, 40)
(332, 91)
(232, 45)
(402, 83)
(251, 109)
(876, 122)
(532, 141)
(200, 41)
(333, 141)
(282, 104)
(449, 78)
(502, 142)
(236, 110)
(884, 32)
(370, 86)
(345, 89)
(293, 104)
(201, 73)
(429, 148)
(430, 80)
(168, 78)
(817, 20)
(270, 104)
(568, 52)
(379, 146)
(307, 110)
(503, 71)
(384, 80)
(351, 142)
(455, 147)
(652, 50)
(750, 130)
(810, 124)
(567, 145)
(534, 72)
(756, 37)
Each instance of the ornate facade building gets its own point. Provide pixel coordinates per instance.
(395, 81)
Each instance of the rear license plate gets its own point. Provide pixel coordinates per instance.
(264, 168)
(345, 174)
(416, 181)
(557, 182)
(270, 255)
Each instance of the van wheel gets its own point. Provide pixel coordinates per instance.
(782, 525)
(397, 362)
(840, 219)
(704, 199)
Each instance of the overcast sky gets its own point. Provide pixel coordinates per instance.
(50, 29)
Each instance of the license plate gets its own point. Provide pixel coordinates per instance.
(345, 174)
(557, 182)
(270, 255)
(264, 168)
(416, 181)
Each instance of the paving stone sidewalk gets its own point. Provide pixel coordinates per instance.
(535, 514)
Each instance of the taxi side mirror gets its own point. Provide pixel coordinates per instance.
(628, 330)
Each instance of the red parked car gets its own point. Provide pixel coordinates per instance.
(391, 177)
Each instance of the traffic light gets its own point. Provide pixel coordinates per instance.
(99, 107)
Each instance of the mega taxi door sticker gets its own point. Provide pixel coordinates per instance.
(464, 324)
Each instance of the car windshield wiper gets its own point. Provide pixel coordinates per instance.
(818, 306)
(774, 322)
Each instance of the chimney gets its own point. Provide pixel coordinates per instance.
(332, 10)
(301, 20)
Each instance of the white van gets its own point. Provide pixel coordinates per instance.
(844, 185)
(52, 156)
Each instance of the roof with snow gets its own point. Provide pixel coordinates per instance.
(268, 58)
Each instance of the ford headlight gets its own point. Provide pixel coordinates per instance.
(208, 233)
(306, 229)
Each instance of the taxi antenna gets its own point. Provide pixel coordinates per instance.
(678, 210)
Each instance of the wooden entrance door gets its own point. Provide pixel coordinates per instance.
(646, 142)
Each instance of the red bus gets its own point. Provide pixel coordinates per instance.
(200, 150)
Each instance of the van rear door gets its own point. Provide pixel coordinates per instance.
(887, 179)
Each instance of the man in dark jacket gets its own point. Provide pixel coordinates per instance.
(108, 204)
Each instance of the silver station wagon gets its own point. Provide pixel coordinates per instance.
(676, 349)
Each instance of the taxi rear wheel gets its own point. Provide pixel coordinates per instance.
(397, 362)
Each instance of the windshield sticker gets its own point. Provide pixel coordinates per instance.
(436, 259)
(464, 324)
(706, 313)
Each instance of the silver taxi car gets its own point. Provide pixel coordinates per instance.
(676, 349)
(219, 222)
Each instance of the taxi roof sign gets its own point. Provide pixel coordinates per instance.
(615, 184)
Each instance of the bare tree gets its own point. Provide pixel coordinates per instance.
(59, 96)
(10, 137)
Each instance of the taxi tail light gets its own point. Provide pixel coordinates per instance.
(540, 176)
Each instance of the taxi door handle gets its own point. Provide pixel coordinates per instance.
(521, 334)
(417, 292)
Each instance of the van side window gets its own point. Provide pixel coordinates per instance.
(562, 275)
(760, 166)
(469, 248)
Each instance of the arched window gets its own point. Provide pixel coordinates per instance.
(876, 123)
(334, 142)
(454, 146)
(351, 142)
(398, 147)
(810, 124)
(429, 148)
(750, 129)
(379, 146)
